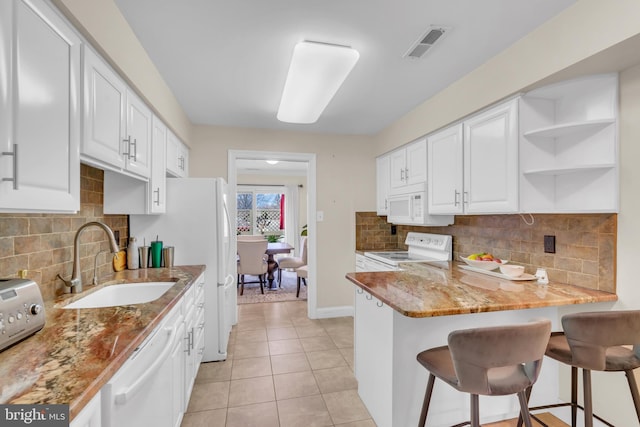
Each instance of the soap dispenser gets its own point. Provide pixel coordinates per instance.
(132, 255)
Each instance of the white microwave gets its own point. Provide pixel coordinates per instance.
(411, 209)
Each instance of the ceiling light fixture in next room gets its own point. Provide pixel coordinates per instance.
(316, 73)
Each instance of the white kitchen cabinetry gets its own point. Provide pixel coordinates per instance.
(383, 185)
(569, 146)
(408, 168)
(39, 109)
(91, 414)
(117, 124)
(473, 166)
(157, 189)
(177, 157)
(194, 338)
(373, 355)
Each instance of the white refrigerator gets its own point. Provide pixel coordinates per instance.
(198, 226)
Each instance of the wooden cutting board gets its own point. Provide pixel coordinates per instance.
(120, 261)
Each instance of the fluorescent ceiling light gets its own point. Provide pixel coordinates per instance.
(316, 73)
(272, 162)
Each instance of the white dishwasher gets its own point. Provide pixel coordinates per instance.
(140, 393)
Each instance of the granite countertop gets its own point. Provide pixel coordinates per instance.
(424, 290)
(78, 351)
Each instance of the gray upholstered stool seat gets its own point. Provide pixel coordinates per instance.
(599, 341)
(491, 361)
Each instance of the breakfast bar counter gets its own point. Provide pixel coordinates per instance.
(79, 350)
(400, 313)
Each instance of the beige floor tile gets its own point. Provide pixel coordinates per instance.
(312, 330)
(347, 353)
(363, 423)
(309, 411)
(251, 367)
(214, 371)
(251, 335)
(345, 407)
(335, 379)
(317, 343)
(287, 363)
(297, 384)
(278, 322)
(259, 414)
(285, 347)
(251, 390)
(250, 349)
(326, 359)
(213, 418)
(206, 396)
(342, 340)
(276, 334)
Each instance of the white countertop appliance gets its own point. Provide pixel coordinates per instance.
(21, 310)
(197, 225)
(422, 247)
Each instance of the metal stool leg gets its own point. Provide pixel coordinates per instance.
(588, 403)
(475, 411)
(523, 397)
(633, 386)
(574, 396)
(427, 400)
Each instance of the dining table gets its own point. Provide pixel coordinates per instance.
(272, 264)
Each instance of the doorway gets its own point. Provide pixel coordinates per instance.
(236, 157)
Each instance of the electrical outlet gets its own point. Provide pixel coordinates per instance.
(550, 244)
(116, 234)
(394, 229)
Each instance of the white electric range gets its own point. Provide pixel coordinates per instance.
(422, 247)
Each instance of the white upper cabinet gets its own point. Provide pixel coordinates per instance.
(177, 157)
(445, 164)
(158, 181)
(473, 166)
(408, 167)
(40, 111)
(382, 184)
(117, 129)
(569, 147)
(491, 160)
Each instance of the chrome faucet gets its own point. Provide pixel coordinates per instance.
(75, 283)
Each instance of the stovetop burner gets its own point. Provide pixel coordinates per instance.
(423, 247)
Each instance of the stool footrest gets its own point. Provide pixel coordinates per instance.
(559, 405)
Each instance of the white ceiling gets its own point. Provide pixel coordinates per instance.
(226, 61)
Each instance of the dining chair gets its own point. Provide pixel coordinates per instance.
(252, 260)
(301, 276)
(607, 341)
(489, 361)
(292, 261)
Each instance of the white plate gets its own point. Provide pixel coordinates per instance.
(483, 265)
(525, 276)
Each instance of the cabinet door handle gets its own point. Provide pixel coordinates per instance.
(401, 174)
(157, 192)
(406, 174)
(465, 197)
(379, 303)
(135, 148)
(368, 296)
(456, 197)
(13, 153)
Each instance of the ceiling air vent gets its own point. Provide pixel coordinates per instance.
(425, 42)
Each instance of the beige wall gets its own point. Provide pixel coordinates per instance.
(345, 183)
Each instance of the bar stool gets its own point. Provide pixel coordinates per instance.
(490, 361)
(597, 341)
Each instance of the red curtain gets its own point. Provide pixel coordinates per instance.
(282, 212)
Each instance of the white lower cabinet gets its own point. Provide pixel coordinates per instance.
(40, 113)
(91, 414)
(154, 385)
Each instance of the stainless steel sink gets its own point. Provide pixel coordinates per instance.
(124, 294)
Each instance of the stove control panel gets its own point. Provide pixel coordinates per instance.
(440, 242)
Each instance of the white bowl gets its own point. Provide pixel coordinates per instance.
(485, 265)
(512, 270)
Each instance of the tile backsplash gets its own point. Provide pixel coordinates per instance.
(585, 243)
(43, 243)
